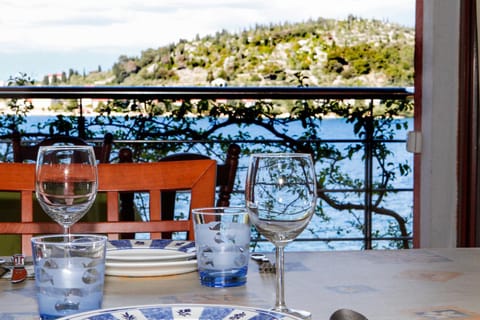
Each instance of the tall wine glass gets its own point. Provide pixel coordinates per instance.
(66, 182)
(281, 197)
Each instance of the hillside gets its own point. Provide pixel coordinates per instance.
(352, 52)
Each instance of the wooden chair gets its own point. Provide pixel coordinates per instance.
(23, 152)
(226, 173)
(152, 178)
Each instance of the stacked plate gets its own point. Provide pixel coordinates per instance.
(148, 258)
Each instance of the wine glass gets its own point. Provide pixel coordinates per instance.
(66, 182)
(281, 195)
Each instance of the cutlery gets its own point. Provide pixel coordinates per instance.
(264, 264)
(3, 271)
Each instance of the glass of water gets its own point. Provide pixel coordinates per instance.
(69, 275)
(222, 240)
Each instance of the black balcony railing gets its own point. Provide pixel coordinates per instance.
(118, 92)
(368, 139)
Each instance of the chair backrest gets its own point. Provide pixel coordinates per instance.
(226, 171)
(152, 178)
(23, 152)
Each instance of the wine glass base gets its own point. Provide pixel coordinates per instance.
(301, 314)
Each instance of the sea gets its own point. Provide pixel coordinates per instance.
(331, 229)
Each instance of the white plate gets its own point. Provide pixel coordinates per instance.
(149, 269)
(149, 258)
(184, 312)
(144, 255)
(149, 250)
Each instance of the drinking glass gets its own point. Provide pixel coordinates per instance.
(222, 239)
(66, 182)
(281, 197)
(69, 275)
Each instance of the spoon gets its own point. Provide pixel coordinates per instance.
(347, 314)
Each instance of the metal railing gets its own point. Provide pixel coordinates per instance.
(253, 93)
(120, 92)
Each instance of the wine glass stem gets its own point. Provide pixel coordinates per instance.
(67, 236)
(280, 276)
(66, 233)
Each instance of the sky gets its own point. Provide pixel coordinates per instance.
(40, 37)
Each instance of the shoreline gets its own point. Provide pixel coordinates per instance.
(39, 113)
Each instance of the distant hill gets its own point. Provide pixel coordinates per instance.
(322, 52)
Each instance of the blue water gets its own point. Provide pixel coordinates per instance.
(331, 222)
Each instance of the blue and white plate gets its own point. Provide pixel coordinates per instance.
(184, 312)
(149, 250)
(149, 258)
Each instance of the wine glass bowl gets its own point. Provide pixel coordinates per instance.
(66, 182)
(280, 196)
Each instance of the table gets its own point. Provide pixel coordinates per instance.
(405, 284)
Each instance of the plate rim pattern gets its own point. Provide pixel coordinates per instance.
(184, 311)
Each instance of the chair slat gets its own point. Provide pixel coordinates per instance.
(198, 176)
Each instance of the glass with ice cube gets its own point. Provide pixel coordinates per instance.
(222, 240)
(69, 275)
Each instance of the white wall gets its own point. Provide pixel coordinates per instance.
(439, 123)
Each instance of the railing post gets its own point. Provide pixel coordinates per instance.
(81, 121)
(369, 135)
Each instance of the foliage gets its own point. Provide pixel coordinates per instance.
(18, 108)
(354, 51)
